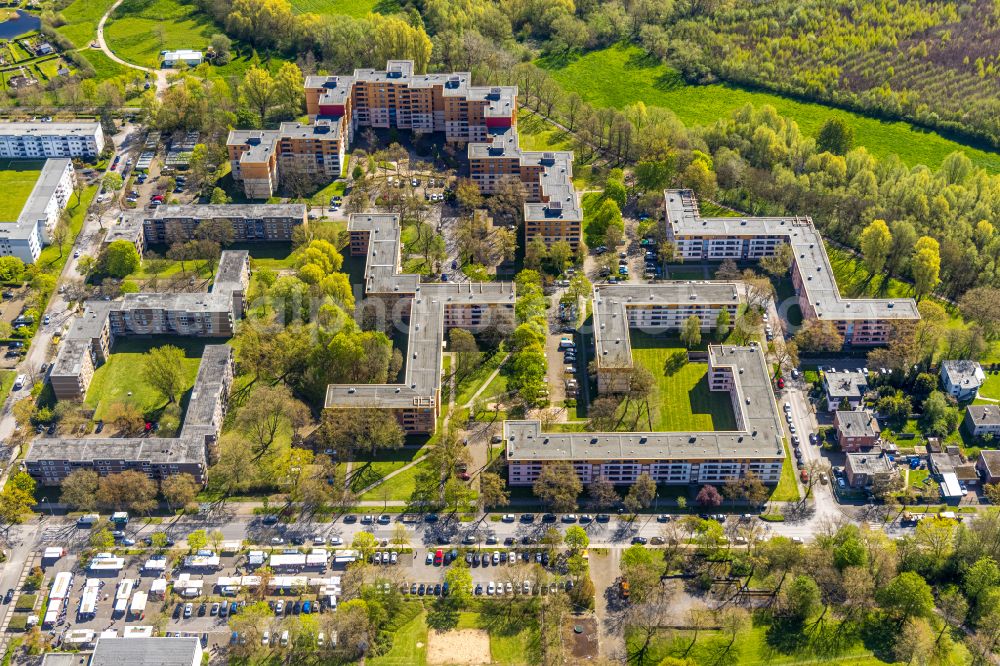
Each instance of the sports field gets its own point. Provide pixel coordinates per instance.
(621, 75)
(140, 29)
(17, 179)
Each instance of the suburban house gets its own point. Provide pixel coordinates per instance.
(982, 420)
(863, 469)
(989, 465)
(856, 430)
(962, 379)
(850, 385)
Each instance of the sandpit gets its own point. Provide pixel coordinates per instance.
(462, 647)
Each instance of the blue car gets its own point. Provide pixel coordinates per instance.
(307, 607)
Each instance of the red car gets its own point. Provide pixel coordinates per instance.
(438, 558)
(781, 382)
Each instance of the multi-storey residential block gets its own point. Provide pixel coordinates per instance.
(668, 457)
(862, 321)
(427, 310)
(650, 308)
(50, 460)
(24, 238)
(484, 117)
(90, 337)
(34, 140)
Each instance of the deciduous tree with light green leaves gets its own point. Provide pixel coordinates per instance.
(925, 265)
(691, 332)
(876, 243)
(164, 371)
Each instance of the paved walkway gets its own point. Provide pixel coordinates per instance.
(486, 383)
(160, 75)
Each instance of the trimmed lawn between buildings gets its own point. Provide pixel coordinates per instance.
(17, 179)
(140, 29)
(124, 373)
(787, 489)
(623, 74)
(683, 401)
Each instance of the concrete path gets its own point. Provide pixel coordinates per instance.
(160, 75)
(486, 383)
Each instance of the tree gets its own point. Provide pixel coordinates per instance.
(601, 492)
(908, 595)
(79, 490)
(11, 269)
(467, 195)
(125, 417)
(801, 598)
(576, 538)
(257, 90)
(197, 540)
(915, 642)
(779, 263)
(127, 490)
(120, 258)
(102, 539)
(492, 490)
(982, 306)
(722, 324)
(164, 371)
(835, 136)
(219, 196)
(558, 486)
(691, 333)
(641, 493)
(459, 580)
(112, 181)
(876, 243)
(466, 350)
(17, 498)
(400, 536)
(221, 45)
(708, 496)
(364, 543)
(179, 490)
(819, 335)
(288, 94)
(925, 265)
(365, 429)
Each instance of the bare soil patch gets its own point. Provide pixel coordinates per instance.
(461, 647)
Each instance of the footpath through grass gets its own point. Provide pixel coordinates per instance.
(623, 74)
(140, 29)
(82, 17)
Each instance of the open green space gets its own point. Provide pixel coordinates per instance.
(322, 197)
(355, 8)
(623, 74)
(760, 645)
(400, 487)
(17, 179)
(512, 642)
(682, 400)
(536, 133)
(991, 387)
(53, 257)
(6, 382)
(140, 29)
(122, 378)
(787, 489)
(81, 17)
(467, 386)
(104, 67)
(409, 642)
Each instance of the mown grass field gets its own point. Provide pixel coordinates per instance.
(104, 67)
(355, 8)
(125, 373)
(17, 179)
(81, 18)
(682, 401)
(621, 75)
(140, 29)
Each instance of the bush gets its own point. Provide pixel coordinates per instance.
(772, 517)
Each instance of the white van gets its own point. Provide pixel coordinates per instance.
(19, 382)
(89, 520)
(284, 638)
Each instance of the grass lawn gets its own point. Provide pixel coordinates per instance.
(467, 386)
(104, 67)
(81, 18)
(511, 644)
(754, 647)
(6, 381)
(400, 487)
(51, 260)
(536, 133)
(689, 273)
(140, 29)
(787, 489)
(991, 387)
(409, 645)
(366, 472)
(622, 74)
(322, 197)
(124, 373)
(682, 401)
(17, 179)
(355, 8)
